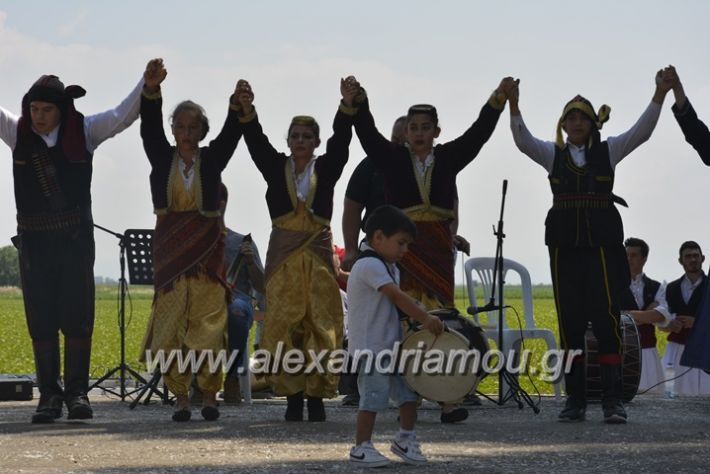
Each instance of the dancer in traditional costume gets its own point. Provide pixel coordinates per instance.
(685, 296)
(303, 305)
(52, 147)
(645, 301)
(585, 236)
(190, 303)
(420, 179)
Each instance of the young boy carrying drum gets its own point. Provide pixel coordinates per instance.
(373, 322)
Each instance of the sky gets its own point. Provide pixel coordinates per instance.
(451, 54)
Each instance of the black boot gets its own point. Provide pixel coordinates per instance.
(576, 404)
(77, 358)
(51, 396)
(294, 410)
(612, 394)
(316, 409)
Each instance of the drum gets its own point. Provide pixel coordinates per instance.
(454, 352)
(630, 365)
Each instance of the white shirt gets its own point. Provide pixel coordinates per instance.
(188, 175)
(373, 321)
(97, 128)
(420, 166)
(687, 287)
(637, 286)
(303, 179)
(543, 152)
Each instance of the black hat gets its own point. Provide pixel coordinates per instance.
(425, 109)
(49, 88)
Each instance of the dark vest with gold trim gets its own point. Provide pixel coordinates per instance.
(583, 213)
(52, 192)
(647, 332)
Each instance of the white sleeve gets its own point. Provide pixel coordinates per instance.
(374, 273)
(541, 152)
(8, 127)
(102, 126)
(663, 307)
(623, 144)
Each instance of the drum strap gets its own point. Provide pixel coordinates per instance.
(371, 253)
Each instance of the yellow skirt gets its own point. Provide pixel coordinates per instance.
(192, 316)
(303, 312)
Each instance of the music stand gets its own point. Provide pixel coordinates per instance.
(140, 270)
(128, 239)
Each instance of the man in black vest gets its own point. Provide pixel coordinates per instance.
(645, 301)
(52, 147)
(684, 296)
(584, 235)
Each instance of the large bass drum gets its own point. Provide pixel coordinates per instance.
(630, 365)
(461, 336)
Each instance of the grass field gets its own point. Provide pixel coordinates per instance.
(16, 349)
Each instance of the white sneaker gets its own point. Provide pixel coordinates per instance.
(367, 455)
(408, 449)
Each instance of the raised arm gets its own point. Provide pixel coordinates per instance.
(376, 146)
(102, 126)
(696, 133)
(621, 145)
(155, 143)
(337, 148)
(540, 151)
(8, 127)
(262, 153)
(465, 148)
(222, 148)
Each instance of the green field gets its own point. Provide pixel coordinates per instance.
(16, 349)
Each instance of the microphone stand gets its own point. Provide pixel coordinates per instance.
(514, 392)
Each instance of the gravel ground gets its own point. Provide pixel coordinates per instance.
(662, 435)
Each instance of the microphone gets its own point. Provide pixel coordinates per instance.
(505, 186)
(483, 309)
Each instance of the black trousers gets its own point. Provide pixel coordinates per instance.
(57, 270)
(588, 284)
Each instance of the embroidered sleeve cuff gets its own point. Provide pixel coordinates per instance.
(347, 110)
(152, 96)
(497, 100)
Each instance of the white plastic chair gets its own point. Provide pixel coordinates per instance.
(512, 337)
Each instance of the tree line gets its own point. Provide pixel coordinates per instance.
(9, 266)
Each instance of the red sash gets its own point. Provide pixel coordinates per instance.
(187, 243)
(430, 260)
